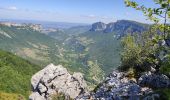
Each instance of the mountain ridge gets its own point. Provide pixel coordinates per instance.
(121, 27)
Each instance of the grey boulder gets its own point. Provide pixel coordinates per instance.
(154, 80)
(55, 79)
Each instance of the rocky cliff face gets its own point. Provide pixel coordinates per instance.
(56, 79)
(121, 27)
(99, 26)
(110, 27)
(117, 85)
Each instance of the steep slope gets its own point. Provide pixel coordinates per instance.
(103, 49)
(15, 75)
(40, 48)
(29, 44)
(123, 27)
(98, 26)
(37, 47)
(59, 35)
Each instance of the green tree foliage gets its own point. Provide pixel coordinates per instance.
(150, 49)
(146, 50)
(140, 51)
(154, 14)
(130, 55)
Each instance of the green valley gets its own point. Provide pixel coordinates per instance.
(79, 49)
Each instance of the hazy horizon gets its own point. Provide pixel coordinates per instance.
(40, 21)
(72, 11)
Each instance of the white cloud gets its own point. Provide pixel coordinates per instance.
(89, 16)
(9, 8)
(12, 8)
(92, 16)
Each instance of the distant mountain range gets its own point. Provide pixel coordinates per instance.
(46, 24)
(121, 27)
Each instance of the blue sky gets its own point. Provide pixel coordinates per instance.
(79, 11)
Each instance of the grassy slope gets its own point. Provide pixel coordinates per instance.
(29, 44)
(37, 47)
(15, 74)
(104, 48)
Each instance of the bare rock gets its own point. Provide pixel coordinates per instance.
(36, 96)
(154, 80)
(56, 79)
(99, 26)
(116, 87)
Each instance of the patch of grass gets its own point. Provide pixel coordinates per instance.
(15, 74)
(11, 96)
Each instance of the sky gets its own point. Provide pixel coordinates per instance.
(75, 11)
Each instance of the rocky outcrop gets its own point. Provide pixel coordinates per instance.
(110, 27)
(118, 86)
(99, 26)
(154, 80)
(56, 79)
